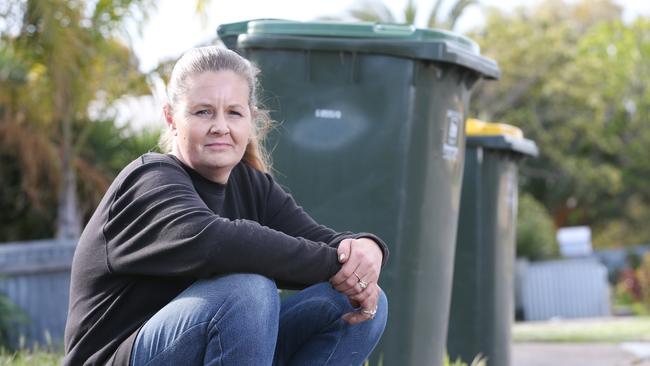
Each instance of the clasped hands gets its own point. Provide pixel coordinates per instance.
(357, 279)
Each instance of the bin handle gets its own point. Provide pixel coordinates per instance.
(394, 29)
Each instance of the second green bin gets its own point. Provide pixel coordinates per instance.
(371, 138)
(482, 309)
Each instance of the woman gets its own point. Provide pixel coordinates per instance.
(181, 262)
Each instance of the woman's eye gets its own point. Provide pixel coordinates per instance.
(235, 113)
(203, 112)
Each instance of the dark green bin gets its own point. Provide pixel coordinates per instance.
(482, 305)
(372, 139)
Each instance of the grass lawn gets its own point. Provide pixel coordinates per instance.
(613, 330)
(610, 330)
(44, 358)
(28, 358)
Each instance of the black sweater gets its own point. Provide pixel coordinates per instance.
(161, 226)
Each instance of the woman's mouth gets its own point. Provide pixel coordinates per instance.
(218, 146)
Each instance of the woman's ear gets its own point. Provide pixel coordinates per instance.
(169, 117)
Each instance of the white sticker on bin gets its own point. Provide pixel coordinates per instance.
(452, 132)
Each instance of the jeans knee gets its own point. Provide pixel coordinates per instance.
(256, 289)
(253, 299)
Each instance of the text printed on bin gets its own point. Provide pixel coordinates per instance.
(328, 113)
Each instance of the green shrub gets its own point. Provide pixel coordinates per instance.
(30, 357)
(627, 294)
(479, 360)
(643, 276)
(10, 316)
(535, 230)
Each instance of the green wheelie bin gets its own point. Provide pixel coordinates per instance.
(482, 305)
(371, 137)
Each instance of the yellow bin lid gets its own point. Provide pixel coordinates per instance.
(474, 127)
(498, 136)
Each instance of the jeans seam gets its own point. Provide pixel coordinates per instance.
(215, 326)
(174, 342)
(338, 340)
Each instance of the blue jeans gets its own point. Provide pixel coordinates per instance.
(238, 319)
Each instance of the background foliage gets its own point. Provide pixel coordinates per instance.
(575, 79)
(56, 58)
(535, 230)
(10, 315)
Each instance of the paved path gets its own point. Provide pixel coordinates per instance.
(581, 354)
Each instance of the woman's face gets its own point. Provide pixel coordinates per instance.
(212, 123)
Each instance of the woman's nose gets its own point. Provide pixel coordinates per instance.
(219, 125)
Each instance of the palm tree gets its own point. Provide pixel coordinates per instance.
(375, 11)
(56, 58)
(70, 55)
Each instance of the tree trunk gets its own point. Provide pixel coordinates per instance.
(68, 218)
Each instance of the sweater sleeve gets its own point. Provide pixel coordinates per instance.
(284, 214)
(158, 225)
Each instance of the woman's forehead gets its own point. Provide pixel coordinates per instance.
(220, 84)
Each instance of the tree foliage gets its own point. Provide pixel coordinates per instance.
(10, 316)
(575, 79)
(535, 230)
(377, 11)
(56, 57)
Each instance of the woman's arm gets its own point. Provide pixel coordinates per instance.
(364, 253)
(158, 225)
(284, 214)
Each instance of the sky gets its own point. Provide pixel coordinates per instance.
(174, 26)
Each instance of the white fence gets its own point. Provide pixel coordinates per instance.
(35, 276)
(569, 288)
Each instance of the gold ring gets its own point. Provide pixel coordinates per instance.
(363, 284)
(358, 278)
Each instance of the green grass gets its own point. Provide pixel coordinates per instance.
(45, 358)
(583, 331)
(30, 358)
(610, 330)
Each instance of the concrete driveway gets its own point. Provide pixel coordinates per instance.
(581, 354)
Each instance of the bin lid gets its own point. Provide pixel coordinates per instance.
(498, 136)
(383, 38)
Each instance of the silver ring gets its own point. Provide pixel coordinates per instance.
(363, 284)
(370, 313)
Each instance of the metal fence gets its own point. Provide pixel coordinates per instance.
(568, 288)
(35, 276)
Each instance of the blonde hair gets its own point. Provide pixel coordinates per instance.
(203, 59)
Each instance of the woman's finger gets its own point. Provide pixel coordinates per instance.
(347, 270)
(343, 250)
(365, 312)
(350, 283)
(362, 296)
(350, 263)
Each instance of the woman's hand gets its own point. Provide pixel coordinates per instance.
(358, 277)
(368, 307)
